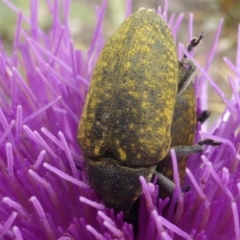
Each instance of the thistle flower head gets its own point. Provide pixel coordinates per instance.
(43, 85)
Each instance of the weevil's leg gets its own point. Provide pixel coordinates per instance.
(182, 151)
(131, 216)
(185, 74)
(203, 116)
(165, 184)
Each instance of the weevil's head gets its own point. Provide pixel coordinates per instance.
(118, 185)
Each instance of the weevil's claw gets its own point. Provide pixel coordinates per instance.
(194, 42)
(209, 142)
(203, 116)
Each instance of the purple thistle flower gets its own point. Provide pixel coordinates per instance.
(43, 85)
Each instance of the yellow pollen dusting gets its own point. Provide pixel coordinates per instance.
(132, 146)
(145, 105)
(93, 103)
(135, 94)
(98, 147)
(145, 48)
(128, 65)
(87, 142)
(131, 127)
(134, 111)
(104, 64)
(157, 119)
(141, 130)
(160, 131)
(91, 115)
(149, 128)
(152, 152)
(122, 154)
(145, 95)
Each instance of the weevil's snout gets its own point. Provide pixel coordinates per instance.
(118, 185)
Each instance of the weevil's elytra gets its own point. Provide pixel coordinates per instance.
(129, 107)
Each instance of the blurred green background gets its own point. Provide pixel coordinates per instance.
(207, 14)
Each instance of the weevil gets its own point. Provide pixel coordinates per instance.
(124, 129)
